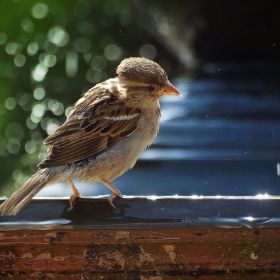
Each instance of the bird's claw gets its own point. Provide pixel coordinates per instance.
(72, 199)
(111, 199)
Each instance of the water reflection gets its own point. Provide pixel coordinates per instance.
(138, 212)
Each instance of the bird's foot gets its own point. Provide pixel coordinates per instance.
(115, 191)
(71, 200)
(75, 194)
(112, 197)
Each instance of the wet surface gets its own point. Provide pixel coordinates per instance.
(147, 212)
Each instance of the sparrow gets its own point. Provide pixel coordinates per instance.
(104, 133)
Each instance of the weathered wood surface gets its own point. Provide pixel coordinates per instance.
(151, 253)
(107, 244)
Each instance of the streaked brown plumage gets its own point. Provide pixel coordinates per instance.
(105, 132)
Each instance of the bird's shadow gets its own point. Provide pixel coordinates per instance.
(132, 212)
(88, 211)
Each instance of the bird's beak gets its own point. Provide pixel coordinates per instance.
(169, 89)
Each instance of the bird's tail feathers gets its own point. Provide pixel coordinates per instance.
(21, 197)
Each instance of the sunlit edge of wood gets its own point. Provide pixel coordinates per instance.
(187, 197)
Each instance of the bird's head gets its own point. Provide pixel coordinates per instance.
(144, 78)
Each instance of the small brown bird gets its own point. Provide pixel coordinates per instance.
(105, 132)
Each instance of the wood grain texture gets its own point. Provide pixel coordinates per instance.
(146, 239)
(151, 253)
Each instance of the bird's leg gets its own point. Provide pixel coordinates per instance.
(75, 194)
(115, 191)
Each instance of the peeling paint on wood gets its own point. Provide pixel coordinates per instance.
(140, 254)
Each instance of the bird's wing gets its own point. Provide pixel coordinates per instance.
(93, 126)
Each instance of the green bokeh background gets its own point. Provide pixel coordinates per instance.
(50, 53)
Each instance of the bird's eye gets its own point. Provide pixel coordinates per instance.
(150, 88)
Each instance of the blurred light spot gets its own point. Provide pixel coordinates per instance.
(30, 147)
(19, 60)
(148, 51)
(25, 159)
(82, 9)
(10, 103)
(35, 119)
(98, 63)
(82, 45)
(90, 75)
(51, 128)
(18, 175)
(67, 111)
(37, 137)
(50, 47)
(27, 25)
(3, 38)
(33, 166)
(12, 48)
(51, 103)
(262, 196)
(58, 109)
(14, 131)
(42, 57)
(30, 124)
(58, 36)
(112, 7)
(39, 73)
(71, 64)
(250, 218)
(162, 24)
(112, 52)
(13, 146)
(25, 101)
(87, 56)
(94, 76)
(153, 197)
(39, 93)
(100, 76)
(45, 123)
(50, 60)
(32, 48)
(38, 110)
(39, 11)
(45, 103)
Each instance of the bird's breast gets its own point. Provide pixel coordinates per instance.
(119, 158)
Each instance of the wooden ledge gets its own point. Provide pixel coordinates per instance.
(147, 212)
(147, 238)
